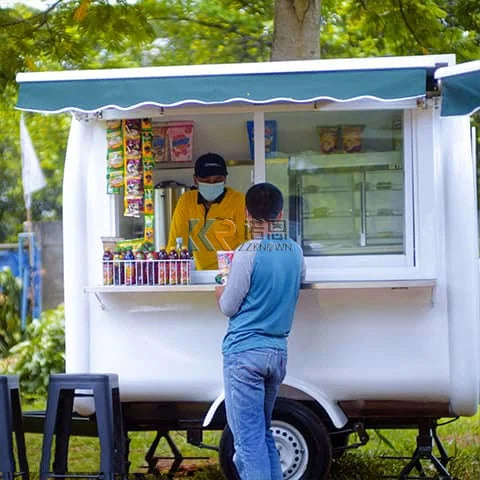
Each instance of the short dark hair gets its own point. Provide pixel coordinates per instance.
(264, 201)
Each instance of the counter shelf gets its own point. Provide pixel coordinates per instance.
(110, 290)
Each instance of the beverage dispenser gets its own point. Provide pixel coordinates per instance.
(166, 197)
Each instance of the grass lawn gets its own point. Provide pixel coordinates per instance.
(461, 439)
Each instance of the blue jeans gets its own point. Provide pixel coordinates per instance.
(252, 379)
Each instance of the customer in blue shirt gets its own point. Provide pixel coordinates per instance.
(260, 299)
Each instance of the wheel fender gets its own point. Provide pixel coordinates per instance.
(335, 413)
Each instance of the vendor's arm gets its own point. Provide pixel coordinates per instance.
(238, 283)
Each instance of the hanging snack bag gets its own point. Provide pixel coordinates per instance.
(352, 138)
(148, 201)
(180, 135)
(160, 142)
(132, 143)
(149, 223)
(115, 157)
(148, 163)
(328, 139)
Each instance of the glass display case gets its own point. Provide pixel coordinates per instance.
(348, 204)
(344, 182)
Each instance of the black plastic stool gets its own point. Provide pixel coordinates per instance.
(105, 392)
(11, 423)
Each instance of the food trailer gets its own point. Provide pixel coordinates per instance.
(376, 163)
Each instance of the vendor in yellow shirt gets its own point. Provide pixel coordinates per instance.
(210, 218)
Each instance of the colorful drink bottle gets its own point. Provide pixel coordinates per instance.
(129, 262)
(118, 267)
(185, 264)
(163, 270)
(140, 270)
(152, 267)
(107, 267)
(173, 267)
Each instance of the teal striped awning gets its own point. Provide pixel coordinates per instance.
(126, 89)
(460, 87)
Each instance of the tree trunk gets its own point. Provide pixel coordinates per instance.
(296, 34)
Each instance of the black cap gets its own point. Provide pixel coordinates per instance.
(210, 164)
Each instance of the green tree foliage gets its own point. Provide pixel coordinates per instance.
(72, 34)
(41, 353)
(359, 28)
(10, 329)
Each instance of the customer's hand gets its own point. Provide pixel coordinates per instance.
(219, 291)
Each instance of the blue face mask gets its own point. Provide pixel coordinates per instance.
(210, 191)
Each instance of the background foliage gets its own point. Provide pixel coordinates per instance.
(41, 353)
(10, 330)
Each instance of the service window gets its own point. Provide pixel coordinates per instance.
(346, 178)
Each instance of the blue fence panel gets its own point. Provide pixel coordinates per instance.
(9, 258)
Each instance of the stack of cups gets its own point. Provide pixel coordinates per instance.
(224, 258)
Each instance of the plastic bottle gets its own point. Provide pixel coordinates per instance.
(107, 267)
(173, 267)
(185, 266)
(140, 270)
(163, 270)
(152, 266)
(129, 262)
(178, 248)
(118, 267)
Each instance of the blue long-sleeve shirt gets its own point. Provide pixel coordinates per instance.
(261, 294)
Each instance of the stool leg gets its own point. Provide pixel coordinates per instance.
(49, 430)
(104, 409)
(62, 431)
(19, 434)
(7, 464)
(120, 437)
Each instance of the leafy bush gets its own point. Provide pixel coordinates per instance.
(42, 352)
(10, 327)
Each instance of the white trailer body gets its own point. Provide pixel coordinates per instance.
(387, 332)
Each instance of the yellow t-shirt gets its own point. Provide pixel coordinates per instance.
(222, 227)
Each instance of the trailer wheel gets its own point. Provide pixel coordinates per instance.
(301, 439)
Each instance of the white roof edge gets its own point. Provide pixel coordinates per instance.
(458, 69)
(373, 63)
(225, 102)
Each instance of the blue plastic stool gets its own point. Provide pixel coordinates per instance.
(110, 428)
(11, 424)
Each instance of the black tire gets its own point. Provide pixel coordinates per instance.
(302, 441)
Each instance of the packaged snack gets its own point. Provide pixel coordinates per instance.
(114, 139)
(132, 128)
(146, 124)
(133, 147)
(148, 204)
(328, 139)
(147, 176)
(134, 186)
(115, 157)
(115, 181)
(352, 138)
(180, 137)
(149, 223)
(147, 152)
(133, 206)
(159, 142)
(133, 167)
(270, 137)
(114, 124)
